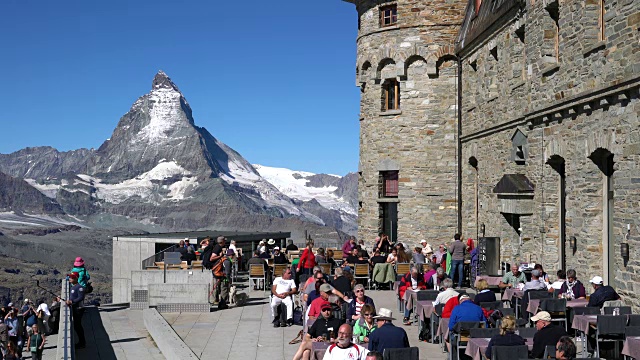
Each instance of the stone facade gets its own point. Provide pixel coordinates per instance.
(561, 77)
(418, 139)
(578, 108)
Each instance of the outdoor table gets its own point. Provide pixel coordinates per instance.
(534, 304)
(476, 347)
(443, 328)
(632, 347)
(410, 297)
(510, 293)
(582, 324)
(491, 280)
(318, 349)
(424, 309)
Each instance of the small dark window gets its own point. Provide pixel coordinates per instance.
(388, 15)
(389, 183)
(391, 94)
(519, 148)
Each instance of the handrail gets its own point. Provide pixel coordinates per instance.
(66, 344)
(151, 260)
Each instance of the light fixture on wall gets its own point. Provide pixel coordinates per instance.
(482, 228)
(573, 243)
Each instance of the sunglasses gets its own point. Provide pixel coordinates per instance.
(359, 290)
(326, 309)
(367, 314)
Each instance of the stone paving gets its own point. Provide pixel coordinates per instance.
(247, 333)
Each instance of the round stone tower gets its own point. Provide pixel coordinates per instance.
(406, 69)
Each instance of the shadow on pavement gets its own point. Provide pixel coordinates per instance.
(98, 342)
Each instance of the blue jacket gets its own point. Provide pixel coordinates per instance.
(388, 336)
(352, 306)
(76, 296)
(467, 311)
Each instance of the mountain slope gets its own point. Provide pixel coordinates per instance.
(18, 195)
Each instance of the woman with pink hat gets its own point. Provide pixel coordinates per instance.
(78, 266)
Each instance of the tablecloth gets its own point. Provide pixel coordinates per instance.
(534, 304)
(410, 297)
(384, 273)
(582, 322)
(491, 280)
(443, 328)
(424, 309)
(476, 347)
(510, 293)
(632, 347)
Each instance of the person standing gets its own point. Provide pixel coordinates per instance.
(43, 317)
(307, 260)
(215, 258)
(75, 301)
(348, 247)
(387, 335)
(35, 343)
(224, 282)
(291, 246)
(457, 251)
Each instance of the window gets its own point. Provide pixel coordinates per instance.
(519, 148)
(389, 183)
(388, 15)
(602, 12)
(391, 94)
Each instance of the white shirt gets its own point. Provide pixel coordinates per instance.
(233, 247)
(44, 307)
(444, 296)
(353, 352)
(283, 286)
(557, 284)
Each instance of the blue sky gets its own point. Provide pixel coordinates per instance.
(272, 79)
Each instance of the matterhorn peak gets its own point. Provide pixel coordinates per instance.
(163, 81)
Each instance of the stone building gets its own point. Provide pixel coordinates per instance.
(548, 132)
(406, 70)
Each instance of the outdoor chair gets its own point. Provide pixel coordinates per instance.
(634, 320)
(256, 272)
(337, 255)
(160, 264)
(326, 268)
(425, 268)
(483, 332)
(184, 265)
(278, 269)
(509, 352)
(461, 334)
(557, 308)
(491, 305)
(609, 328)
(632, 331)
(435, 319)
(549, 352)
(196, 264)
(527, 332)
(402, 269)
(412, 353)
(624, 310)
(613, 303)
(427, 295)
(528, 295)
(361, 271)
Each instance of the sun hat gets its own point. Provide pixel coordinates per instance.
(230, 252)
(542, 315)
(271, 242)
(384, 314)
(79, 261)
(596, 280)
(423, 241)
(325, 288)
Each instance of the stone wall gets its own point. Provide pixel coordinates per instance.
(574, 111)
(419, 138)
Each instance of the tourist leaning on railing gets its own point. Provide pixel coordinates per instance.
(75, 301)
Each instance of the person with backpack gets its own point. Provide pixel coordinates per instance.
(222, 274)
(83, 280)
(35, 343)
(211, 259)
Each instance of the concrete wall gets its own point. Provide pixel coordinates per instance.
(178, 294)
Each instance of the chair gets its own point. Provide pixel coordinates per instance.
(256, 272)
(402, 268)
(435, 319)
(613, 303)
(160, 264)
(624, 310)
(427, 295)
(425, 268)
(184, 265)
(196, 264)
(509, 352)
(527, 332)
(483, 332)
(412, 353)
(337, 254)
(634, 320)
(462, 334)
(557, 308)
(491, 305)
(278, 269)
(326, 268)
(632, 331)
(609, 328)
(528, 295)
(549, 352)
(361, 271)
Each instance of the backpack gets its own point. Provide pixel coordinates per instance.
(425, 333)
(218, 268)
(206, 257)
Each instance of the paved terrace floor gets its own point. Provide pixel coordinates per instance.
(247, 333)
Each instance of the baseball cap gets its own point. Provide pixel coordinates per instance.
(325, 288)
(73, 275)
(276, 248)
(596, 280)
(326, 306)
(463, 296)
(542, 315)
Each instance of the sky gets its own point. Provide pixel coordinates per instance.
(275, 80)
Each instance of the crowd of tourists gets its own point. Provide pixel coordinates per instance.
(24, 326)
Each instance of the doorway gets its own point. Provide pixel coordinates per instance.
(389, 219)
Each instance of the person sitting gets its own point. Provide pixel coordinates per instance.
(557, 285)
(417, 257)
(466, 311)
(383, 245)
(449, 306)
(344, 349)
(330, 259)
(507, 336)
(429, 273)
(315, 308)
(279, 257)
(512, 278)
(402, 255)
(355, 306)
(484, 294)
(412, 280)
(392, 258)
(363, 258)
(291, 246)
(387, 335)
(341, 283)
(189, 256)
(320, 331)
(377, 259)
(180, 248)
(573, 288)
(436, 280)
(447, 293)
(265, 255)
(427, 251)
(547, 334)
(256, 260)
(543, 275)
(281, 290)
(565, 349)
(309, 286)
(536, 283)
(601, 293)
(320, 258)
(352, 258)
(365, 323)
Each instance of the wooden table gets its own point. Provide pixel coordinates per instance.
(632, 347)
(476, 347)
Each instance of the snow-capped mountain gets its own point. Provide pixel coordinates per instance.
(159, 168)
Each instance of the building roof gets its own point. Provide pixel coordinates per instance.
(475, 25)
(514, 184)
(231, 235)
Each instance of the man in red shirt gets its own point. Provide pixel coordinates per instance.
(315, 309)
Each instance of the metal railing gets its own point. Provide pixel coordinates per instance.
(157, 257)
(66, 344)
